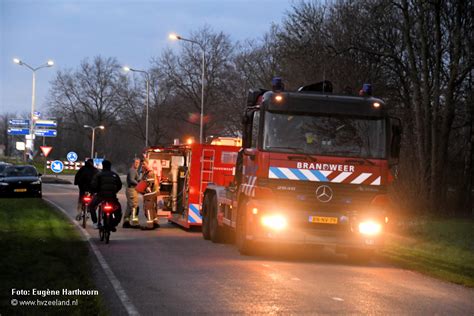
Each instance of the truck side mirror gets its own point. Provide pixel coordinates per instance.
(247, 121)
(252, 96)
(395, 140)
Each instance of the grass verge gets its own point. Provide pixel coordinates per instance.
(439, 248)
(42, 250)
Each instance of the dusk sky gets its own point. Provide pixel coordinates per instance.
(132, 31)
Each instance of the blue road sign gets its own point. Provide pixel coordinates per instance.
(71, 156)
(19, 122)
(37, 114)
(46, 132)
(57, 166)
(98, 162)
(46, 123)
(18, 131)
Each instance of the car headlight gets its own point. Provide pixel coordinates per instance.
(36, 182)
(370, 228)
(276, 222)
(3, 184)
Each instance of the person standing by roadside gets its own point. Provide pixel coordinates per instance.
(132, 196)
(83, 179)
(150, 195)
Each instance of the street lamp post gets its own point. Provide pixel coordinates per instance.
(177, 37)
(49, 63)
(93, 136)
(147, 76)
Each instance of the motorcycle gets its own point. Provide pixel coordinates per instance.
(106, 219)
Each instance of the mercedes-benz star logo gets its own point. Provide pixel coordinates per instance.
(324, 193)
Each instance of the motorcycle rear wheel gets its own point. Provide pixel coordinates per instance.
(84, 216)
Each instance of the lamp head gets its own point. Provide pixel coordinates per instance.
(17, 61)
(174, 37)
(101, 126)
(126, 68)
(50, 63)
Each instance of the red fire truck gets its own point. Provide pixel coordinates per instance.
(184, 172)
(313, 169)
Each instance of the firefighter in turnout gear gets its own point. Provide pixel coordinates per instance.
(150, 195)
(131, 213)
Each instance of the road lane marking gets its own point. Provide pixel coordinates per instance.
(119, 290)
(295, 279)
(338, 299)
(266, 265)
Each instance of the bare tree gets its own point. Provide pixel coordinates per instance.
(419, 56)
(5, 139)
(91, 95)
(258, 61)
(183, 76)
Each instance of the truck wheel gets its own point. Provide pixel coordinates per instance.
(244, 246)
(205, 218)
(216, 232)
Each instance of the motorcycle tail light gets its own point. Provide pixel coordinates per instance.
(108, 208)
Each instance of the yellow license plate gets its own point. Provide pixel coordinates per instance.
(323, 219)
(20, 190)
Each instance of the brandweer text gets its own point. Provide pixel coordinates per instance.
(324, 166)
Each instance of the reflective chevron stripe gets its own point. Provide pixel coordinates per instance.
(322, 176)
(193, 214)
(249, 187)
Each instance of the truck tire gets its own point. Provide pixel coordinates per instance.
(215, 231)
(205, 218)
(244, 245)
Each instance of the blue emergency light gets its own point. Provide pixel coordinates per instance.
(277, 84)
(367, 88)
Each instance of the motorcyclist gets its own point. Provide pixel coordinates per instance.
(106, 184)
(83, 179)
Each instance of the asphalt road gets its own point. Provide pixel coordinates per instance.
(172, 271)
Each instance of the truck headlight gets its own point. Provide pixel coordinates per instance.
(370, 228)
(275, 222)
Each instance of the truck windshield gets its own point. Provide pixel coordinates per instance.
(323, 135)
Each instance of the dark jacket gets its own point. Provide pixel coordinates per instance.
(132, 177)
(106, 184)
(84, 177)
